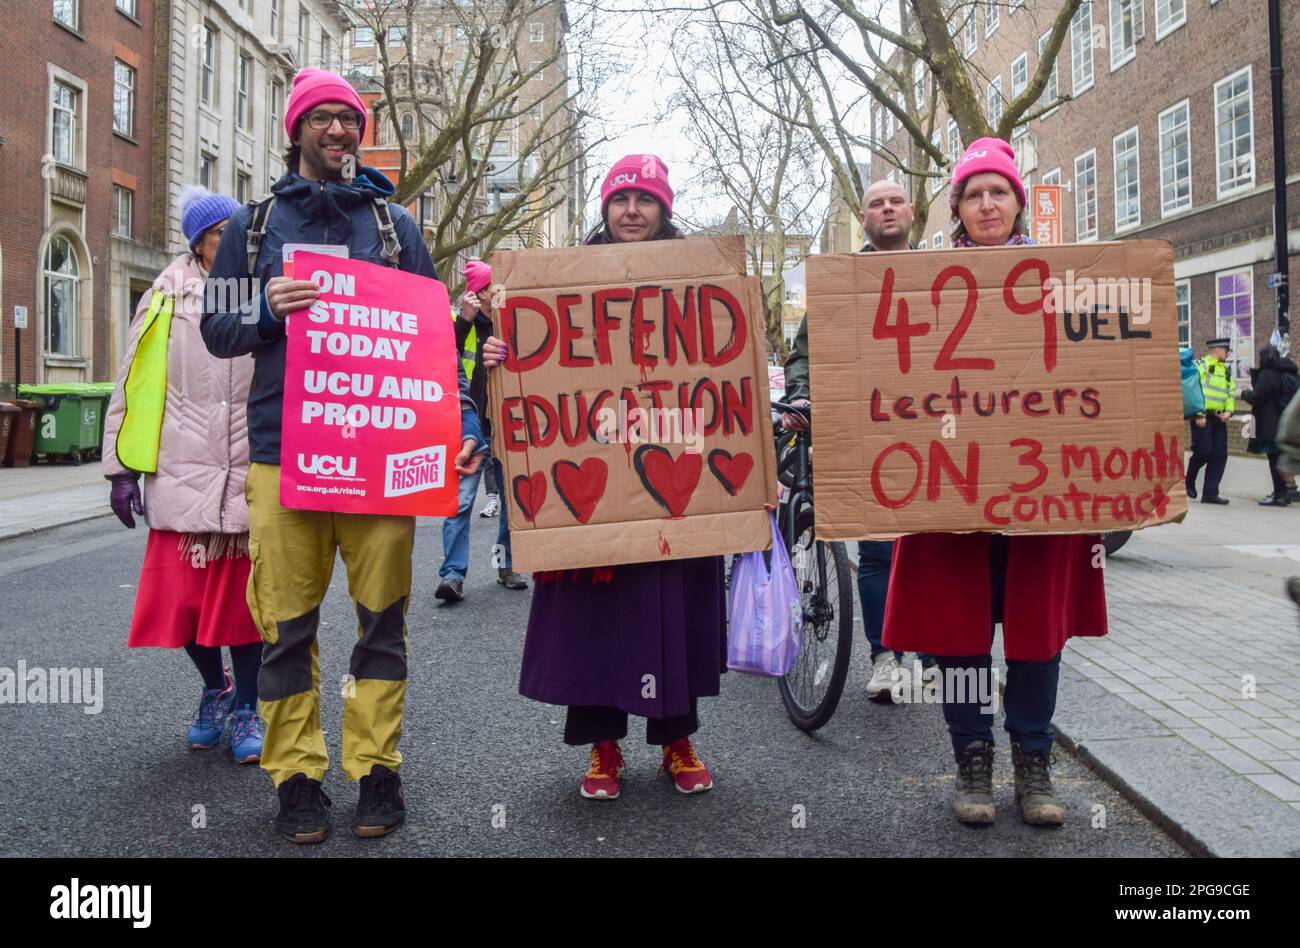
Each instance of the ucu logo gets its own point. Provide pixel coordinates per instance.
(620, 179)
(982, 153)
(328, 464)
(416, 459)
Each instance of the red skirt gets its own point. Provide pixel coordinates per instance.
(191, 600)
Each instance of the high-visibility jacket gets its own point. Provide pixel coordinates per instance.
(469, 354)
(1216, 383)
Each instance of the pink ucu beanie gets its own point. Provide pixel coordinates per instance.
(313, 87)
(984, 155)
(643, 172)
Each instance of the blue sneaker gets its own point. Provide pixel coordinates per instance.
(246, 733)
(210, 720)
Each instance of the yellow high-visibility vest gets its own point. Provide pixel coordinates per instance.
(1216, 384)
(145, 389)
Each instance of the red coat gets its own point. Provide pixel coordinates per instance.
(938, 600)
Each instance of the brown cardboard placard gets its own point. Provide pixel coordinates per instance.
(1019, 389)
(633, 415)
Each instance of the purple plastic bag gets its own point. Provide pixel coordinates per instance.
(766, 619)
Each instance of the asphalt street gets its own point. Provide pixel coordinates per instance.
(486, 771)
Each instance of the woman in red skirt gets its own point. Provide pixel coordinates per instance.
(178, 414)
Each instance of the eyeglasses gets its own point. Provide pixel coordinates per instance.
(350, 120)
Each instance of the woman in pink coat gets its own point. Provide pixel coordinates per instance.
(947, 591)
(195, 574)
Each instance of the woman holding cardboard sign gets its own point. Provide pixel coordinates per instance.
(640, 638)
(1043, 589)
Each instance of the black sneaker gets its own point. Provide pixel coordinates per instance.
(381, 808)
(1214, 500)
(302, 817)
(449, 590)
(1275, 500)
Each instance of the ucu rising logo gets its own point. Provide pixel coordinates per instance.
(327, 465)
(620, 179)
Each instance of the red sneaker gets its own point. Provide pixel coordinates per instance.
(601, 782)
(687, 772)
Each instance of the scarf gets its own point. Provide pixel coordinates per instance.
(1012, 241)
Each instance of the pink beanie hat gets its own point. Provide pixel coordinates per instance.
(643, 172)
(313, 87)
(984, 155)
(477, 276)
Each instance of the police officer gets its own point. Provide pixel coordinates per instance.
(1210, 429)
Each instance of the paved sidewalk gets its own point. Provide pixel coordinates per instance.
(50, 495)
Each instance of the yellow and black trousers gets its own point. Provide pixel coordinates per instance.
(292, 553)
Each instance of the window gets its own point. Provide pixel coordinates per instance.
(1125, 30)
(123, 98)
(1052, 90)
(889, 125)
(536, 32)
(66, 12)
(243, 187)
(363, 36)
(1019, 74)
(1085, 196)
(1235, 308)
(954, 142)
(66, 102)
(971, 34)
(397, 36)
(274, 109)
(1081, 48)
(326, 50)
(408, 127)
(1183, 307)
(1175, 160)
(918, 82)
(364, 69)
(127, 7)
(539, 111)
(540, 75)
(303, 21)
(243, 93)
(207, 171)
(936, 183)
(62, 298)
(1128, 196)
(277, 19)
(938, 240)
(990, 17)
(1234, 133)
(208, 66)
(877, 123)
(1170, 15)
(924, 244)
(994, 99)
(123, 205)
(1052, 177)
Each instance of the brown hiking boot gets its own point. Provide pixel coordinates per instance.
(972, 800)
(1038, 805)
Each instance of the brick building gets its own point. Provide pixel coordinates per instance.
(1168, 135)
(77, 128)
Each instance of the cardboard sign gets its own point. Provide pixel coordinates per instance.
(371, 418)
(632, 415)
(1008, 390)
(1047, 213)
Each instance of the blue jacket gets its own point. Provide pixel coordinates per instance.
(237, 323)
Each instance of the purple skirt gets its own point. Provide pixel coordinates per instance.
(647, 642)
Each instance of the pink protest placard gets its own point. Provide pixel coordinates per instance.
(371, 418)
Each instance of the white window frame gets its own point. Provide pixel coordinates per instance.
(1119, 54)
(208, 161)
(537, 32)
(277, 19)
(363, 37)
(1081, 236)
(244, 184)
(73, 343)
(1021, 62)
(127, 6)
(127, 91)
(1249, 272)
(77, 132)
(1081, 42)
(540, 75)
(924, 244)
(918, 82)
(75, 6)
(326, 49)
(244, 91)
(1183, 324)
(1052, 88)
(937, 243)
(1246, 185)
(209, 65)
(877, 123)
(970, 31)
(400, 32)
(954, 142)
(275, 113)
(1051, 177)
(993, 96)
(118, 230)
(991, 17)
(304, 28)
(1135, 183)
(1170, 24)
(937, 182)
(1177, 207)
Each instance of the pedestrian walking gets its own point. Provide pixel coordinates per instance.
(473, 325)
(948, 591)
(178, 416)
(293, 550)
(640, 638)
(1274, 382)
(1210, 429)
(887, 223)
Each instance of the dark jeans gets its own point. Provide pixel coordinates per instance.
(1209, 450)
(1030, 696)
(492, 478)
(875, 558)
(1279, 484)
(588, 724)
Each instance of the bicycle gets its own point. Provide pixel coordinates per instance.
(811, 689)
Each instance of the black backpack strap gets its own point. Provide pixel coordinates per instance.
(257, 229)
(392, 250)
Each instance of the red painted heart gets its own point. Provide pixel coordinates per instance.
(580, 486)
(670, 482)
(731, 472)
(530, 494)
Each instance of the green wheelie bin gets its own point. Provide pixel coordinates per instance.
(71, 424)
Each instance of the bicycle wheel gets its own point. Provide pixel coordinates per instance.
(812, 688)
